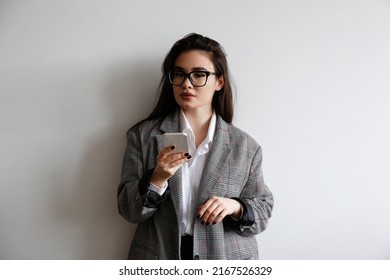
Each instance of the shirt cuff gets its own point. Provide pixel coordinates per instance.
(248, 216)
(160, 191)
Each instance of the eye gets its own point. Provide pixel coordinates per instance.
(178, 74)
(198, 75)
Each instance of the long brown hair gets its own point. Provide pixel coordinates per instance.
(222, 101)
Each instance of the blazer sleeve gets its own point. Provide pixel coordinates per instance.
(136, 203)
(257, 196)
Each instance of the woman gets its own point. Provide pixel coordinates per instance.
(209, 202)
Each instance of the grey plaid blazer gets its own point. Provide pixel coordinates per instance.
(233, 169)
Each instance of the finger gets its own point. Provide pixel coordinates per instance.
(219, 218)
(214, 215)
(170, 154)
(209, 210)
(178, 156)
(177, 159)
(171, 158)
(165, 151)
(167, 167)
(205, 206)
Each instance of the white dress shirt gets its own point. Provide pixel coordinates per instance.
(191, 171)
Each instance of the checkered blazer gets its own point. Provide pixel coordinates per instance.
(233, 169)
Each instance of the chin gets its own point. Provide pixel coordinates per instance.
(185, 105)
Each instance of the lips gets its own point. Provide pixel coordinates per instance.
(187, 94)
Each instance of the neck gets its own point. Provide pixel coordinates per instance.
(199, 122)
(198, 119)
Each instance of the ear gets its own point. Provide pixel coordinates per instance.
(220, 82)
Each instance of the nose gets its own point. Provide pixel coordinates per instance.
(186, 83)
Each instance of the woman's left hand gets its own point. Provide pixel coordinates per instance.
(216, 208)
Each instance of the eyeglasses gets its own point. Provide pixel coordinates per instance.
(197, 78)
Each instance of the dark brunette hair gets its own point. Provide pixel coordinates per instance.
(222, 101)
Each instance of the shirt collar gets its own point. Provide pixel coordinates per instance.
(186, 128)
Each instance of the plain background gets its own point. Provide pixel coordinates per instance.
(313, 88)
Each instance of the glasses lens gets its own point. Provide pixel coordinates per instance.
(177, 77)
(198, 78)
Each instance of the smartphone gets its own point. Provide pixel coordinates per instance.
(179, 140)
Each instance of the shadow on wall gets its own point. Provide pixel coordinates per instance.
(90, 203)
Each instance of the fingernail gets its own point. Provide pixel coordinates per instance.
(198, 216)
(189, 157)
(214, 223)
(202, 222)
(207, 224)
(173, 147)
(186, 154)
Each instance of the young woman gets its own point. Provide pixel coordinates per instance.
(208, 202)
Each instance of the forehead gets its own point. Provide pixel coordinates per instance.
(194, 59)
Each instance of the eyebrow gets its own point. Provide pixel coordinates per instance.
(193, 69)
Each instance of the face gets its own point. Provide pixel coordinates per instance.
(189, 97)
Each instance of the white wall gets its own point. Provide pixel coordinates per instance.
(313, 90)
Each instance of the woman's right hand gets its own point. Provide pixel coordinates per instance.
(167, 165)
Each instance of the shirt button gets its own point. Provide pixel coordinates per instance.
(196, 256)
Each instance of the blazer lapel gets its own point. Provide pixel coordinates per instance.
(218, 157)
(171, 124)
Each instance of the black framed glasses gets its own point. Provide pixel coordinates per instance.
(198, 78)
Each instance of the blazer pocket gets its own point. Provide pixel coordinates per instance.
(241, 248)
